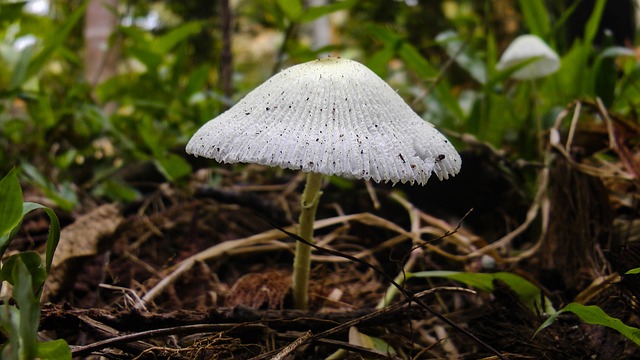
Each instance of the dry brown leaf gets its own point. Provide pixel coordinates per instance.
(79, 240)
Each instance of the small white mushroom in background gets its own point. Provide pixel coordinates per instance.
(525, 48)
(327, 117)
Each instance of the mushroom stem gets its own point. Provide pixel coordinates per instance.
(302, 259)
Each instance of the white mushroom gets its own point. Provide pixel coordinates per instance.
(331, 116)
(525, 48)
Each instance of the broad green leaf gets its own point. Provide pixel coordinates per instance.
(573, 77)
(19, 71)
(605, 72)
(379, 61)
(596, 316)
(172, 166)
(139, 36)
(633, 271)
(116, 190)
(316, 12)
(10, 203)
(536, 17)
(591, 28)
(168, 41)
(528, 292)
(149, 135)
(416, 62)
(605, 77)
(45, 113)
(291, 8)
(54, 350)
(33, 263)
(10, 11)
(55, 41)
(64, 196)
(363, 340)
(492, 54)
(463, 55)
(29, 306)
(53, 237)
(10, 324)
(384, 35)
(5, 240)
(149, 58)
(196, 81)
(444, 96)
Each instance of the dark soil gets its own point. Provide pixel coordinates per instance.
(237, 305)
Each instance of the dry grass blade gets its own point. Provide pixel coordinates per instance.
(259, 239)
(416, 298)
(409, 296)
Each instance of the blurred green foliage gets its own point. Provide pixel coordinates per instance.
(73, 140)
(26, 273)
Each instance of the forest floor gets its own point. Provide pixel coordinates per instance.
(205, 273)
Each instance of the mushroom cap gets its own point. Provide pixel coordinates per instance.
(331, 116)
(526, 47)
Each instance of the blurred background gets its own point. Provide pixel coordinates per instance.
(92, 92)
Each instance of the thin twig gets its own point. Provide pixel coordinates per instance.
(415, 298)
(188, 329)
(410, 296)
(287, 350)
(262, 238)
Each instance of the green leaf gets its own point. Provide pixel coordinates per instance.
(604, 82)
(33, 263)
(10, 324)
(386, 36)
(316, 12)
(407, 52)
(29, 316)
(196, 81)
(10, 203)
(5, 240)
(528, 292)
(379, 61)
(172, 166)
(53, 237)
(535, 17)
(605, 72)
(415, 61)
(596, 316)
(359, 339)
(64, 197)
(55, 41)
(633, 271)
(19, 72)
(116, 190)
(291, 8)
(54, 350)
(463, 55)
(149, 58)
(10, 11)
(168, 41)
(591, 28)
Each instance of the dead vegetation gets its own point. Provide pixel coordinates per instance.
(206, 275)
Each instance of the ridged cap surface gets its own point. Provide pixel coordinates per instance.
(331, 116)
